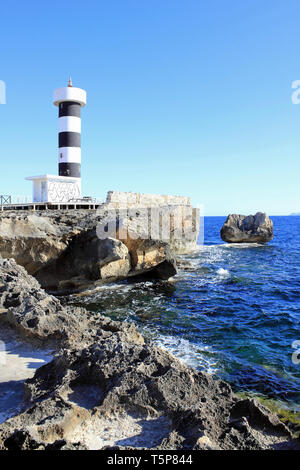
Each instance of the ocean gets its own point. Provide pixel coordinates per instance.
(235, 314)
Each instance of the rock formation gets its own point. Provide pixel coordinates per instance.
(75, 249)
(256, 228)
(108, 387)
(166, 218)
(31, 312)
(64, 252)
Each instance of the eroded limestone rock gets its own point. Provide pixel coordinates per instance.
(108, 387)
(256, 228)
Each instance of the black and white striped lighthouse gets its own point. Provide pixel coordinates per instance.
(69, 101)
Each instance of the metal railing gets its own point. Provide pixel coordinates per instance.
(15, 199)
(86, 199)
(21, 199)
(4, 199)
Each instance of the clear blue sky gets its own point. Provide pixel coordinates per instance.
(185, 97)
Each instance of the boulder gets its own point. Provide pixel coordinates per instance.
(147, 254)
(151, 257)
(86, 261)
(185, 265)
(256, 228)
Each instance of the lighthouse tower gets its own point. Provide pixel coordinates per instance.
(66, 186)
(69, 100)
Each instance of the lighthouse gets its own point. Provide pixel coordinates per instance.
(66, 186)
(69, 100)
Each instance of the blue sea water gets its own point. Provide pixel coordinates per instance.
(235, 314)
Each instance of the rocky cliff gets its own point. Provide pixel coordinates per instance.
(129, 235)
(108, 387)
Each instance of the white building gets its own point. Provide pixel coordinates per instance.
(55, 189)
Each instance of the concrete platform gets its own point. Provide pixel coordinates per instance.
(50, 206)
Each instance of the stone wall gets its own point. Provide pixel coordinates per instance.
(171, 219)
(130, 199)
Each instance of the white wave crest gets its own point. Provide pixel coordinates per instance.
(223, 272)
(191, 354)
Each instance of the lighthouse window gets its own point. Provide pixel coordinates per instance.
(61, 155)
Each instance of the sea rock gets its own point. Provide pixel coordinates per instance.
(256, 228)
(185, 265)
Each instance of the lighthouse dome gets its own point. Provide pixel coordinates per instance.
(69, 93)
